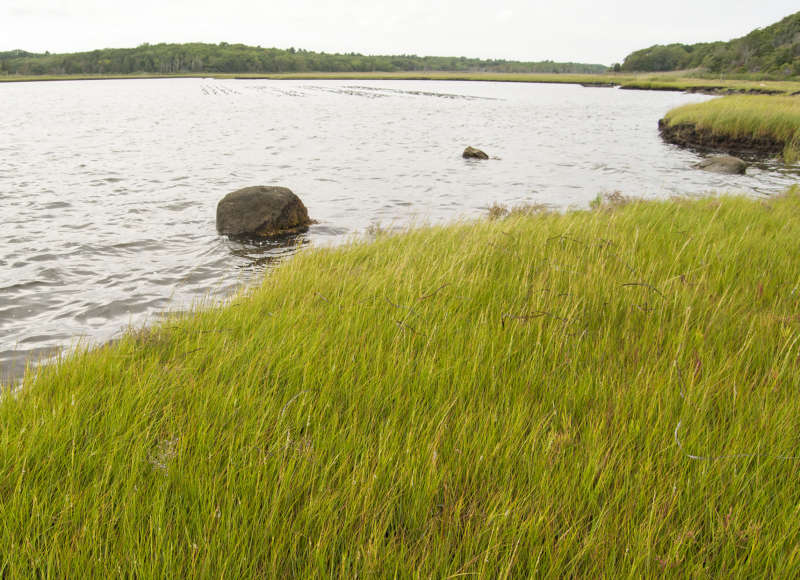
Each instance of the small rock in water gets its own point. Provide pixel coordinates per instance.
(723, 164)
(472, 153)
(262, 211)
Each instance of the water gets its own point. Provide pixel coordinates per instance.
(109, 189)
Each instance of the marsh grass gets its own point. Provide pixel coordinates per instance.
(644, 81)
(500, 211)
(410, 75)
(693, 84)
(509, 398)
(610, 201)
(745, 116)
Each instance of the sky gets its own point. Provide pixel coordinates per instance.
(589, 31)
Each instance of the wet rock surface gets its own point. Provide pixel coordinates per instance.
(261, 211)
(472, 153)
(726, 164)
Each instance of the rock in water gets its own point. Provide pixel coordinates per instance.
(723, 164)
(472, 153)
(261, 211)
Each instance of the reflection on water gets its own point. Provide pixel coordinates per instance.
(109, 189)
(258, 253)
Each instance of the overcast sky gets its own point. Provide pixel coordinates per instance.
(594, 31)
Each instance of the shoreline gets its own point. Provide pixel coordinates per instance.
(686, 135)
(754, 126)
(705, 140)
(645, 82)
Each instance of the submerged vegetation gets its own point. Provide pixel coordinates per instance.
(591, 393)
(739, 123)
(771, 51)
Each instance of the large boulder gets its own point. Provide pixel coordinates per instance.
(261, 211)
(472, 153)
(723, 164)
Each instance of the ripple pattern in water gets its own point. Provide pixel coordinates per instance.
(109, 189)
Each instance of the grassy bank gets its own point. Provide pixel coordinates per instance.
(649, 81)
(742, 122)
(713, 86)
(523, 396)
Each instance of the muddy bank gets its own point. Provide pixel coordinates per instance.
(693, 137)
(702, 90)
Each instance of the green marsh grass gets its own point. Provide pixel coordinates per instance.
(647, 81)
(747, 116)
(507, 398)
(693, 84)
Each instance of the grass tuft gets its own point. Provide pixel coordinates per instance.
(610, 201)
(499, 211)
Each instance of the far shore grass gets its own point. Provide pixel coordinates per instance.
(643, 81)
(746, 117)
(600, 393)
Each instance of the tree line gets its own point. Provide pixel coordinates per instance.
(239, 58)
(774, 51)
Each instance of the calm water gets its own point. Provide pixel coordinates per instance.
(109, 189)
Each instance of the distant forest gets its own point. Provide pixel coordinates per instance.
(774, 50)
(238, 58)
